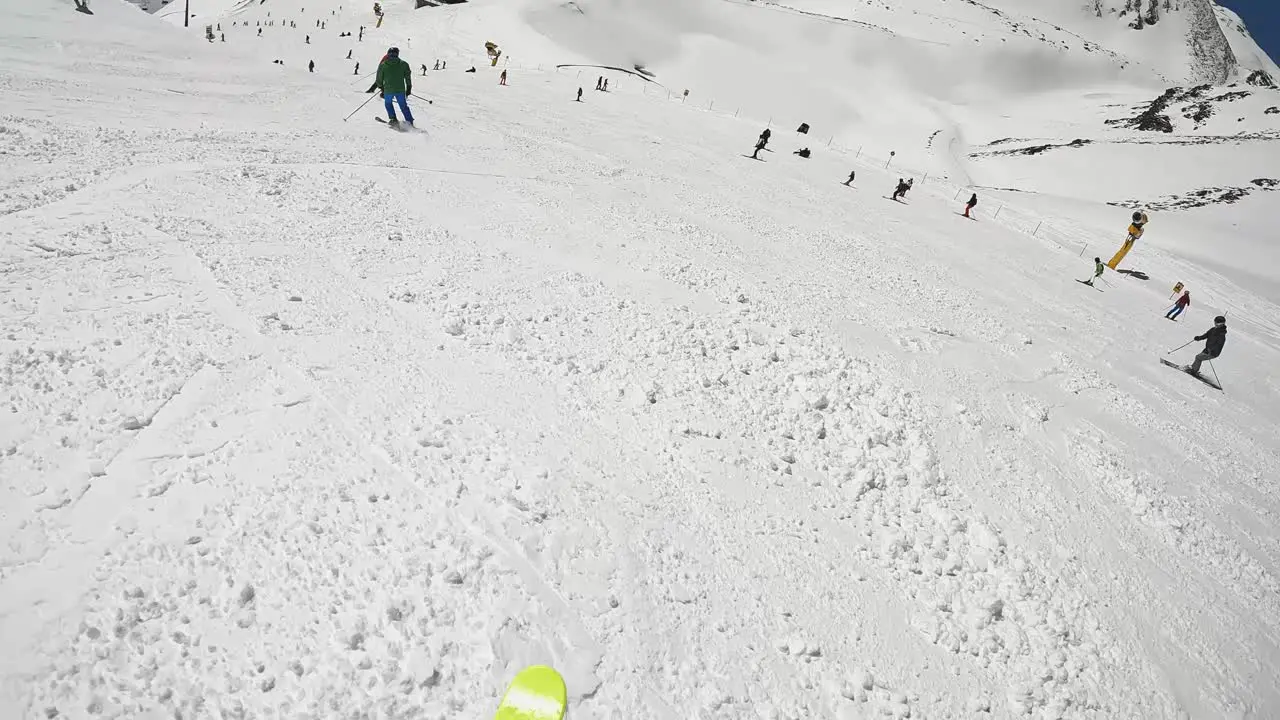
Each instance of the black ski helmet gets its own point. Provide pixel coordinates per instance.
(1137, 217)
(1097, 260)
(1220, 320)
(395, 52)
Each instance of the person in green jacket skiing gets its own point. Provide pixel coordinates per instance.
(1098, 269)
(395, 80)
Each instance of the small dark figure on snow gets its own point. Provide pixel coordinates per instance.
(803, 129)
(473, 69)
(852, 174)
(1098, 269)
(311, 66)
(579, 94)
(308, 39)
(599, 82)
(764, 136)
(605, 87)
(502, 79)
(424, 70)
(259, 32)
(802, 152)
(224, 37)
(1178, 307)
(973, 203)
(901, 190)
(1215, 337)
(357, 72)
(759, 146)
(444, 64)
(348, 54)
(436, 66)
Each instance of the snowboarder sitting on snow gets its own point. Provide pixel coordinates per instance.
(395, 80)
(1098, 269)
(1182, 304)
(1214, 338)
(969, 206)
(802, 152)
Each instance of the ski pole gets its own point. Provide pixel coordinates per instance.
(421, 98)
(1178, 348)
(353, 112)
(1215, 375)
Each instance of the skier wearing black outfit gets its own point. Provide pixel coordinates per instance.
(1215, 337)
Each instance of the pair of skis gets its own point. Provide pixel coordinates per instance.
(1197, 376)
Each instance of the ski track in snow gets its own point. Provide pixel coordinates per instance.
(299, 426)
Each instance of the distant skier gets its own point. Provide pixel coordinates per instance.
(424, 69)
(1215, 337)
(357, 71)
(759, 146)
(308, 39)
(802, 152)
(605, 87)
(311, 66)
(764, 137)
(224, 37)
(473, 69)
(599, 82)
(437, 65)
(852, 174)
(348, 54)
(1179, 306)
(502, 79)
(259, 32)
(973, 203)
(901, 190)
(579, 94)
(1098, 269)
(395, 80)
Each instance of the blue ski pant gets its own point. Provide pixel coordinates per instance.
(400, 99)
(1175, 311)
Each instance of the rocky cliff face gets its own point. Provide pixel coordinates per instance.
(1212, 59)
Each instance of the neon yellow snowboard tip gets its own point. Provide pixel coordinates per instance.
(536, 693)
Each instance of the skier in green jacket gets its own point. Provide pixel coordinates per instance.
(395, 80)
(1098, 269)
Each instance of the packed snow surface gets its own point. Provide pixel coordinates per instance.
(306, 418)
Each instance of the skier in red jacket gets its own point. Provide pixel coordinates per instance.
(1182, 304)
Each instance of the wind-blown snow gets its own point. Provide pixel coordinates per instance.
(305, 418)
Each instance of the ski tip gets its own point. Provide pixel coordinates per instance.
(535, 693)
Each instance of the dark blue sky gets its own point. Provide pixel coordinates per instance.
(1263, 19)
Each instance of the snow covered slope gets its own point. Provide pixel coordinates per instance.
(307, 418)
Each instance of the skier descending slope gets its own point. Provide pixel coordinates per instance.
(395, 80)
(1215, 337)
(1098, 269)
(1182, 304)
